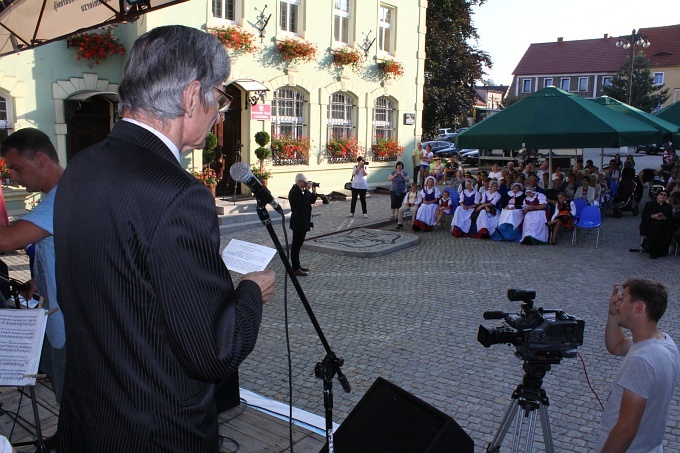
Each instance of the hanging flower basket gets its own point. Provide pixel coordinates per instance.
(386, 150)
(293, 49)
(391, 68)
(342, 149)
(235, 38)
(348, 56)
(96, 45)
(287, 150)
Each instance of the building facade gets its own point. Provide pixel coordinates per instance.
(584, 67)
(310, 102)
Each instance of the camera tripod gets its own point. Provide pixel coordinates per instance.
(527, 399)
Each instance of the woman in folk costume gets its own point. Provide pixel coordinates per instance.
(534, 230)
(561, 218)
(488, 212)
(462, 223)
(510, 222)
(426, 215)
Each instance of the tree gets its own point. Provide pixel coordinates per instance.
(453, 66)
(645, 94)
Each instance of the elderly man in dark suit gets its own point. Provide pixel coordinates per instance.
(301, 201)
(152, 316)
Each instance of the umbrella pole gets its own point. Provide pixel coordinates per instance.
(601, 158)
(550, 167)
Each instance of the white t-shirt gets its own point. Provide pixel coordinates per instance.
(360, 181)
(649, 370)
(497, 175)
(425, 155)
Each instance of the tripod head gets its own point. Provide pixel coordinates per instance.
(535, 370)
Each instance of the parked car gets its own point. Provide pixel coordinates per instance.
(451, 150)
(449, 134)
(650, 149)
(437, 145)
(469, 156)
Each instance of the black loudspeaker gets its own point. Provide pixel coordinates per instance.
(389, 419)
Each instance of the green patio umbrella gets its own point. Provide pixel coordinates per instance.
(555, 119)
(666, 128)
(671, 113)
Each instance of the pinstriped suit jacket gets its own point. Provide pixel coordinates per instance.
(152, 316)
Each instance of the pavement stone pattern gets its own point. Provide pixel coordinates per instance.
(412, 317)
(362, 242)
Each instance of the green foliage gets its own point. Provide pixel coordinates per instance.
(209, 148)
(262, 138)
(262, 153)
(644, 94)
(453, 66)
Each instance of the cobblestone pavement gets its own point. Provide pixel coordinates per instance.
(412, 318)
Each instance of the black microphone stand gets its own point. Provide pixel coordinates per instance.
(330, 365)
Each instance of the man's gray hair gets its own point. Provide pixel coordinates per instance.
(163, 62)
(300, 177)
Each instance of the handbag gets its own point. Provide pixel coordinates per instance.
(348, 185)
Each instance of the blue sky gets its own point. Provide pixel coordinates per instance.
(507, 27)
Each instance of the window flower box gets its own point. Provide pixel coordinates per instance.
(345, 56)
(386, 150)
(235, 38)
(96, 45)
(287, 150)
(297, 50)
(341, 150)
(392, 69)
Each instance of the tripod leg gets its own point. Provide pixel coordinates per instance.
(495, 445)
(519, 428)
(547, 432)
(531, 431)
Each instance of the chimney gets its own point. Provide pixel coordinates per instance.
(560, 39)
(606, 35)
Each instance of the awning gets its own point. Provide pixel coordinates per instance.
(249, 85)
(25, 24)
(81, 96)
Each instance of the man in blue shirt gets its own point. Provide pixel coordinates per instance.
(33, 163)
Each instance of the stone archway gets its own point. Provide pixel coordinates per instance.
(65, 89)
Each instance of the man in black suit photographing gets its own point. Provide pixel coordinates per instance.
(301, 201)
(152, 316)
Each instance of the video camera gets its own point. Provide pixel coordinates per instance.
(538, 335)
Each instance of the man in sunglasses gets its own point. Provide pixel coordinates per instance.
(152, 316)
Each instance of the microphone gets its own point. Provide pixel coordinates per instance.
(495, 314)
(240, 172)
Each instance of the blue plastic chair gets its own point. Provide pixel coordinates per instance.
(579, 204)
(590, 219)
(614, 187)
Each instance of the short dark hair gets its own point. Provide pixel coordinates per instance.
(399, 163)
(28, 142)
(653, 294)
(359, 159)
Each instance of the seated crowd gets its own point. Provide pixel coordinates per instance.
(531, 205)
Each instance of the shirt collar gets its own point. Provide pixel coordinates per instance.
(173, 148)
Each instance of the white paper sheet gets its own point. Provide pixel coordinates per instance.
(243, 257)
(21, 338)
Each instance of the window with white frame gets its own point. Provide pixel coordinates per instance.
(5, 118)
(340, 116)
(288, 113)
(547, 82)
(658, 78)
(606, 81)
(583, 83)
(386, 21)
(290, 16)
(342, 17)
(526, 85)
(383, 119)
(564, 84)
(224, 9)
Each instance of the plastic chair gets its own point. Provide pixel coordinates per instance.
(590, 219)
(579, 204)
(614, 187)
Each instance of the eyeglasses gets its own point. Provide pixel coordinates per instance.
(223, 101)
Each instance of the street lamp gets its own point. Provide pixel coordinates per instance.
(629, 42)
